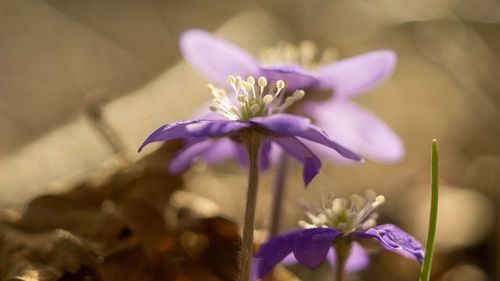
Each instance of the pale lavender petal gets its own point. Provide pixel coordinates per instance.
(213, 151)
(356, 75)
(272, 252)
(311, 245)
(265, 154)
(355, 127)
(289, 260)
(216, 58)
(396, 240)
(294, 77)
(358, 258)
(315, 134)
(283, 124)
(242, 154)
(312, 164)
(194, 129)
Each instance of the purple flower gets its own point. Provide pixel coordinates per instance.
(337, 221)
(256, 113)
(352, 125)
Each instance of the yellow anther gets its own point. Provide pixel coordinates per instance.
(379, 200)
(262, 81)
(240, 84)
(289, 101)
(248, 87)
(267, 99)
(234, 110)
(297, 95)
(251, 80)
(339, 205)
(241, 99)
(231, 79)
(280, 84)
(254, 108)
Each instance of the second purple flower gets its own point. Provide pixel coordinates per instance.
(330, 85)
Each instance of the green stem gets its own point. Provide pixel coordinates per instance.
(425, 273)
(253, 147)
(342, 251)
(278, 195)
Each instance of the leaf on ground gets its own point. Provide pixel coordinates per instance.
(123, 228)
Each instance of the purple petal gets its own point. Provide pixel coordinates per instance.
(272, 252)
(396, 240)
(265, 153)
(358, 258)
(312, 164)
(194, 129)
(356, 128)
(295, 77)
(242, 154)
(315, 134)
(216, 58)
(353, 76)
(292, 125)
(212, 151)
(311, 245)
(289, 260)
(283, 124)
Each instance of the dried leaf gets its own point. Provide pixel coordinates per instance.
(120, 229)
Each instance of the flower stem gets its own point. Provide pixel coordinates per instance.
(278, 195)
(431, 235)
(253, 147)
(342, 251)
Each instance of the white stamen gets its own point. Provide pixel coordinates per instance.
(379, 200)
(280, 84)
(268, 99)
(306, 225)
(339, 205)
(254, 108)
(369, 223)
(262, 81)
(299, 94)
(346, 215)
(250, 102)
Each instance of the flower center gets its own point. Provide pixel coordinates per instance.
(305, 54)
(251, 98)
(348, 215)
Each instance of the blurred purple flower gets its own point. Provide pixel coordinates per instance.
(352, 125)
(257, 113)
(339, 221)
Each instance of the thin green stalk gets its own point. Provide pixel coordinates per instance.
(425, 272)
(253, 147)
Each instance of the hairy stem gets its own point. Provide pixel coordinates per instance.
(425, 272)
(278, 195)
(253, 147)
(342, 251)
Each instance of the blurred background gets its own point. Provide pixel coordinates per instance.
(84, 82)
